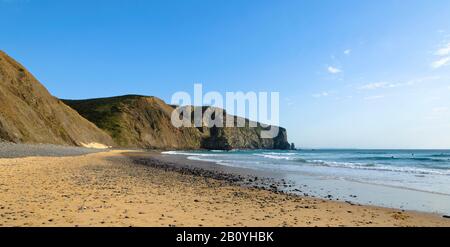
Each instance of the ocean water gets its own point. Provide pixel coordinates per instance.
(406, 179)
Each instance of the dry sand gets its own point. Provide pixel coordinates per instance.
(107, 189)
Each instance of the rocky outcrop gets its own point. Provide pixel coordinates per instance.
(243, 137)
(29, 114)
(145, 122)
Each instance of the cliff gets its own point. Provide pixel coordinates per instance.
(136, 121)
(29, 114)
(145, 122)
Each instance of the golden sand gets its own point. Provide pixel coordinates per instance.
(107, 189)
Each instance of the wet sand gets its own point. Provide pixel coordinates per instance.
(119, 188)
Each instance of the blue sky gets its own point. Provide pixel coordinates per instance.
(351, 74)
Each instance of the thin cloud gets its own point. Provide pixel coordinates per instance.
(333, 70)
(320, 95)
(444, 51)
(347, 52)
(441, 109)
(375, 85)
(374, 97)
(424, 79)
(440, 63)
(384, 85)
(444, 58)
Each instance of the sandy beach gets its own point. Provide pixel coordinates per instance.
(111, 189)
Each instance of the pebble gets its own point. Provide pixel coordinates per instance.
(13, 150)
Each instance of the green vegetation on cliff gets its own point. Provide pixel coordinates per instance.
(145, 122)
(29, 114)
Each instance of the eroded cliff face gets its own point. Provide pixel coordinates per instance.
(29, 114)
(145, 122)
(247, 137)
(137, 121)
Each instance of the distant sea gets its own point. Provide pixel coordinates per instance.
(406, 179)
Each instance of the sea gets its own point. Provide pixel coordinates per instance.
(403, 179)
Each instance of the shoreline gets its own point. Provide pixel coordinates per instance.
(249, 178)
(110, 189)
(330, 184)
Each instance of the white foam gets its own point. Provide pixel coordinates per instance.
(188, 154)
(275, 156)
(378, 167)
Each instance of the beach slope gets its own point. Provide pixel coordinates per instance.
(109, 189)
